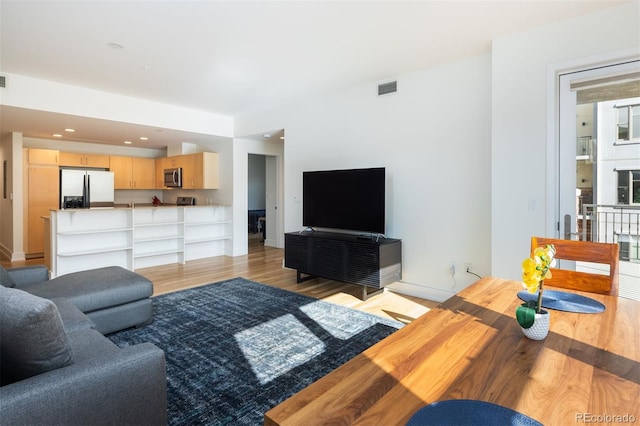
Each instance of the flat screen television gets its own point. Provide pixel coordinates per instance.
(351, 199)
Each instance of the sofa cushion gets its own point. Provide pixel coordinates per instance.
(72, 317)
(89, 344)
(32, 335)
(5, 278)
(95, 289)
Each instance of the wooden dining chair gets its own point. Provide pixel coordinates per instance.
(583, 251)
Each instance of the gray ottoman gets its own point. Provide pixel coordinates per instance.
(114, 298)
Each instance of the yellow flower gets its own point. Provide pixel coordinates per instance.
(536, 268)
(530, 275)
(534, 271)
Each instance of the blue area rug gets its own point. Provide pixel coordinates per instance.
(237, 348)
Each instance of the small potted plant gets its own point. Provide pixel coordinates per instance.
(534, 320)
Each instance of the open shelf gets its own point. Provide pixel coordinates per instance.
(156, 236)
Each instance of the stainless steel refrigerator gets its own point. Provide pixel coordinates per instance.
(81, 188)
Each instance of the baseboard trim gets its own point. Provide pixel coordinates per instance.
(423, 292)
(6, 253)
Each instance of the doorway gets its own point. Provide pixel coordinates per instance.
(262, 201)
(599, 134)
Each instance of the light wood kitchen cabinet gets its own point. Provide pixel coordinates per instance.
(143, 173)
(41, 187)
(43, 156)
(173, 162)
(191, 173)
(133, 172)
(200, 171)
(76, 159)
(121, 168)
(42, 184)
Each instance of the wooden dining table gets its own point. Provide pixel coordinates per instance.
(587, 370)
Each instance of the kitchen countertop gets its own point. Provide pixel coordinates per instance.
(141, 206)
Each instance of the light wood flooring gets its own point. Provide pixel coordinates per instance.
(265, 265)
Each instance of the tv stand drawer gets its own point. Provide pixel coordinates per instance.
(344, 257)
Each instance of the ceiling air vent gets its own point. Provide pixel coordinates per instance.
(3, 81)
(386, 88)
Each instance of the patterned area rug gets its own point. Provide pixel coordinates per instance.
(237, 348)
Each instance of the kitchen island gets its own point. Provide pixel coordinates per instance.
(135, 237)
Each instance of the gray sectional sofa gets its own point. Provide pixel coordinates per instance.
(56, 366)
(113, 298)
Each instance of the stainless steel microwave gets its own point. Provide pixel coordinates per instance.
(173, 178)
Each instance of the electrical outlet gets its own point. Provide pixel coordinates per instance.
(468, 266)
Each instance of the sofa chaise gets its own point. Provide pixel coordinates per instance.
(57, 367)
(112, 297)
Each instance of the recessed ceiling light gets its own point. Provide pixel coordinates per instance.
(127, 142)
(266, 135)
(282, 137)
(144, 138)
(115, 45)
(70, 130)
(57, 135)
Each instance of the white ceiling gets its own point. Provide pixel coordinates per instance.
(237, 57)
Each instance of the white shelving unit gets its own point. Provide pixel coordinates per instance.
(207, 232)
(158, 236)
(137, 238)
(83, 239)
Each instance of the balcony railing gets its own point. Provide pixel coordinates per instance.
(585, 148)
(612, 224)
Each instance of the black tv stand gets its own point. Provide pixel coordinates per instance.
(344, 257)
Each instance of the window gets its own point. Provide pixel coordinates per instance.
(628, 186)
(628, 124)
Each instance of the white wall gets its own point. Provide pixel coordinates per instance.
(433, 137)
(523, 118)
(242, 147)
(6, 205)
(11, 207)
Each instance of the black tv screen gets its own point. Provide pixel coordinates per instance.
(351, 199)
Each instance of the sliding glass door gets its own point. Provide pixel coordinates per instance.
(599, 163)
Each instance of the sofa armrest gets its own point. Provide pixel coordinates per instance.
(125, 387)
(28, 274)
